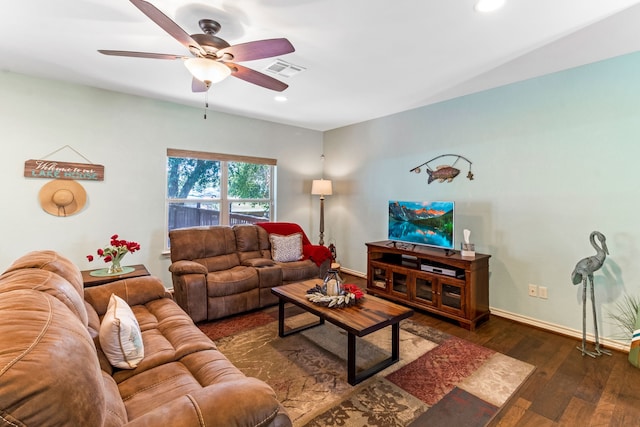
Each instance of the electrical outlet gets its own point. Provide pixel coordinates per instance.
(542, 292)
(533, 290)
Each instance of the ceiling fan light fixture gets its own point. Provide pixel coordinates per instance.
(488, 5)
(207, 70)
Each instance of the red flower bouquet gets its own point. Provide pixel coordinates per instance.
(114, 253)
(355, 291)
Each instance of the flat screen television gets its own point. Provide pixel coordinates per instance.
(423, 223)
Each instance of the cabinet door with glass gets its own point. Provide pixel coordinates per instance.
(400, 283)
(379, 274)
(452, 296)
(426, 289)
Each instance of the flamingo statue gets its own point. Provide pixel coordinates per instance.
(584, 270)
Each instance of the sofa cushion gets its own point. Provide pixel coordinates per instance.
(53, 262)
(286, 248)
(168, 335)
(258, 262)
(202, 242)
(116, 413)
(232, 281)
(49, 282)
(246, 237)
(120, 335)
(222, 262)
(135, 291)
(297, 271)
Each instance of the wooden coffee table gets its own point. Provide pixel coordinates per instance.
(370, 315)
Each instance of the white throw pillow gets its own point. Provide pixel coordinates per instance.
(120, 335)
(286, 248)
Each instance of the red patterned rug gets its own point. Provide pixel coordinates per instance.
(439, 380)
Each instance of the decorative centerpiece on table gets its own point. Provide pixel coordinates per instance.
(114, 253)
(350, 295)
(332, 293)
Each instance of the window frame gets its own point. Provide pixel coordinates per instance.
(225, 202)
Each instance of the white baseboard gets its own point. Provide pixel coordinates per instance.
(562, 330)
(353, 273)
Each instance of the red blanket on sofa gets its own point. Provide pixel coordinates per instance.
(316, 253)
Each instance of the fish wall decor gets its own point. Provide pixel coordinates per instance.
(445, 172)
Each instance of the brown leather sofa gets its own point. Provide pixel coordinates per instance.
(218, 271)
(54, 373)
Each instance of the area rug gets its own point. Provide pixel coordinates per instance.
(440, 380)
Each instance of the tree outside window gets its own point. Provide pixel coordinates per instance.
(217, 189)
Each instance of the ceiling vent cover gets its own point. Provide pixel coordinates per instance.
(283, 68)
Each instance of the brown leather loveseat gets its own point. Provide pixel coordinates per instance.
(53, 371)
(218, 271)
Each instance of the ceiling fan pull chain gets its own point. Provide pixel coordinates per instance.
(206, 103)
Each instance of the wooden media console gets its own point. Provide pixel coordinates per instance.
(429, 279)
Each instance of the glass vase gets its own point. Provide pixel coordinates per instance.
(115, 266)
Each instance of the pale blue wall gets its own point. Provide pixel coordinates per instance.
(554, 159)
(129, 136)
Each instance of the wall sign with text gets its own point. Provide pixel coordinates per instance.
(52, 169)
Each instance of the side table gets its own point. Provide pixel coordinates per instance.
(89, 280)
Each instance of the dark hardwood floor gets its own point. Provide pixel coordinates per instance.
(566, 389)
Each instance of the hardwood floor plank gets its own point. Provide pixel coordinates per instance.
(626, 411)
(554, 396)
(606, 405)
(531, 419)
(577, 413)
(513, 415)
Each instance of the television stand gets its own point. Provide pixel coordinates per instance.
(449, 252)
(446, 284)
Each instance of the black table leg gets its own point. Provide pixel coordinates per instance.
(354, 377)
(281, 331)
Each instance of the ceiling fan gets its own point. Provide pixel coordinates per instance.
(213, 59)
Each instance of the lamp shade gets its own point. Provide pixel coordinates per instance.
(207, 70)
(321, 187)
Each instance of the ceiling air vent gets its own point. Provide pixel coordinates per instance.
(283, 68)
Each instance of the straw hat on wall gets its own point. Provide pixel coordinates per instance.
(62, 197)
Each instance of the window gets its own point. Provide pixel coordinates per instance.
(217, 189)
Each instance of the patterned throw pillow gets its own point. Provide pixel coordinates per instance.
(634, 350)
(286, 248)
(120, 336)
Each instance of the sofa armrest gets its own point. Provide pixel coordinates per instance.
(190, 289)
(243, 402)
(187, 267)
(135, 291)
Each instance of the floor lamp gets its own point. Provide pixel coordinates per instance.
(321, 187)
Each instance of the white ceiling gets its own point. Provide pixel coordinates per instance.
(364, 58)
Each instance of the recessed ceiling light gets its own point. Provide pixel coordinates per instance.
(488, 5)
(281, 98)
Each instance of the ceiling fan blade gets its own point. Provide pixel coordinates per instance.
(256, 77)
(258, 49)
(198, 86)
(140, 54)
(168, 25)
